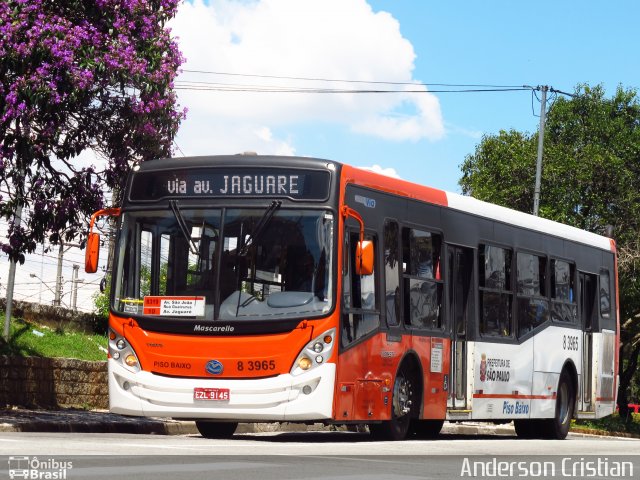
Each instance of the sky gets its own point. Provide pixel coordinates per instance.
(422, 135)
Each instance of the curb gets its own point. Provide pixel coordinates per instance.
(82, 421)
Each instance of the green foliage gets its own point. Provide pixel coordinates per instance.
(591, 164)
(79, 75)
(502, 170)
(27, 339)
(591, 153)
(611, 424)
(101, 300)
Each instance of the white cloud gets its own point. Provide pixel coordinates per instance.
(389, 172)
(338, 39)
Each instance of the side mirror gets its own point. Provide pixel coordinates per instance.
(364, 257)
(92, 253)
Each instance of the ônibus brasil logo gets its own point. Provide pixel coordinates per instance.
(34, 468)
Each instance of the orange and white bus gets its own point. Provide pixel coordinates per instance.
(284, 289)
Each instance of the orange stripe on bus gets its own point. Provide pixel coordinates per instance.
(514, 396)
(394, 186)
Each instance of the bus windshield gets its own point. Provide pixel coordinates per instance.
(228, 264)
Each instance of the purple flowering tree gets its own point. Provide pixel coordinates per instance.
(78, 75)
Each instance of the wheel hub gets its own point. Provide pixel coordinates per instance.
(401, 396)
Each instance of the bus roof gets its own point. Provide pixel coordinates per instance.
(372, 179)
(483, 209)
(525, 220)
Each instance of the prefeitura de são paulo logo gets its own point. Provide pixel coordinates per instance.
(40, 469)
(483, 367)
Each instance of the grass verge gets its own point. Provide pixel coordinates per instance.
(31, 340)
(613, 425)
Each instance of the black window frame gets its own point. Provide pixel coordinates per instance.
(534, 300)
(392, 303)
(560, 306)
(604, 314)
(354, 315)
(435, 281)
(506, 291)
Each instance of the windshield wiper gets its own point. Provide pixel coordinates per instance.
(257, 231)
(183, 226)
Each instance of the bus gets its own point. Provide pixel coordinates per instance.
(251, 288)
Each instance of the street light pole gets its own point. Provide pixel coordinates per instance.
(543, 114)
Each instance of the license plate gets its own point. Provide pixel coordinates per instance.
(218, 394)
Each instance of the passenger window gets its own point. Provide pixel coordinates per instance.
(563, 292)
(532, 306)
(605, 294)
(421, 254)
(496, 295)
(361, 315)
(392, 273)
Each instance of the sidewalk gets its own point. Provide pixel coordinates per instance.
(91, 421)
(88, 421)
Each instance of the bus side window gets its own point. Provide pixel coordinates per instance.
(392, 273)
(423, 285)
(563, 298)
(532, 303)
(360, 315)
(605, 294)
(496, 294)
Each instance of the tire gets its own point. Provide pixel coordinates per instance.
(528, 428)
(404, 407)
(216, 429)
(558, 427)
(426, 428)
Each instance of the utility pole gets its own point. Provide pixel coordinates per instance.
(543, 114)
(41, 275)
(58, 290)
(75, 282)
(17, 219)
(57, 301)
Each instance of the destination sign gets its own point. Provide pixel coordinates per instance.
(222, 182)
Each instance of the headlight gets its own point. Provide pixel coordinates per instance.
(305, 363)
(122, 352)
(315, 353)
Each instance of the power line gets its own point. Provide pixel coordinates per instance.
(204, 86)
(373, 82)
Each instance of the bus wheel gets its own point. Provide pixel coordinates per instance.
(402, 408)
(426, 428)
(527, 428)
(216, 429)
(558, 426)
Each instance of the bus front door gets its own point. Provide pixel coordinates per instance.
(460, 312)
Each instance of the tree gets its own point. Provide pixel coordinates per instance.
(590, 171)
(101, 299)
(78, 75)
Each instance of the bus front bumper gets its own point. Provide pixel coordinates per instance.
(304, 397)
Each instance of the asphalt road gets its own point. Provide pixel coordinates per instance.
(312, 455)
